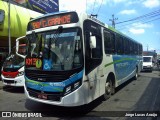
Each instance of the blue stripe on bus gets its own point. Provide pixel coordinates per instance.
(53, 86)
(124, 65)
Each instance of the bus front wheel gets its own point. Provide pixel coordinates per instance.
(108, 89)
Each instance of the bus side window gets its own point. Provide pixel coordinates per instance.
(109, 42)
(136, 49)
(141, 49)
(125, 42)
(98, 50)
(119, 44)
(128, 47)
(131, 48)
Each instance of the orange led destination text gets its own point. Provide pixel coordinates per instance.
(52, 21)
(31, 61)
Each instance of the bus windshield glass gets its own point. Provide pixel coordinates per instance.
(58, 50)
(13, 62)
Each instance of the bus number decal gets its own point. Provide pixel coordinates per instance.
(36, 62)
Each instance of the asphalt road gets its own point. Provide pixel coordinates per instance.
(136, 97)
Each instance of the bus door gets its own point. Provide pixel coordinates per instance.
(93, 58)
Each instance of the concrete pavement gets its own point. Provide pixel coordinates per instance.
(1, 84)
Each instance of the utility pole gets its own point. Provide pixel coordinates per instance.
(147, 47)
(9, 31)
(113, 20)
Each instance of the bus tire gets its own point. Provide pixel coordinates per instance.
(108, 89)
(136, 74)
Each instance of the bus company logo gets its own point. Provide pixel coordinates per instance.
(41, 79)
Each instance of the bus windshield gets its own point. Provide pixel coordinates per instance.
(13, 62)
(59, 50)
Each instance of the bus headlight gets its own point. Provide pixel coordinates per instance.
(72, 87)
(19, 81)
(68, 89)
(20, 73)
(76, 84)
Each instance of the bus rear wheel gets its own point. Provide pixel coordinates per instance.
(108, 89)
(136, 74)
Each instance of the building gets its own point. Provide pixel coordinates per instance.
(19, 18)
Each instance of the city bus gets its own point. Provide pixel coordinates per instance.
(12, 72)
(73, 58)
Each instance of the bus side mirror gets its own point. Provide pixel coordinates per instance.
(17, 47)
(93, 47)
(92, 42)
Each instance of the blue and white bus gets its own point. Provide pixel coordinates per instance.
(72, 59)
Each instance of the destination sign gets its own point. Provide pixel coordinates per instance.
(58, 19)
(33, 62)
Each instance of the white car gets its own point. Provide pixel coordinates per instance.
(147, 63)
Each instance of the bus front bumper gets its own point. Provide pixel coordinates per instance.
(75, 98)
(17, 81)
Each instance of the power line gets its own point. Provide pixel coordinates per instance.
(149, 17)
(141, 17)
(142, 23)
(144, 20)
(100, 7)
(93, 6)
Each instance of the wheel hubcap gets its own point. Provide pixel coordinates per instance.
(108, 88)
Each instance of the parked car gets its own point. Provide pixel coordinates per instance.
(147, 63)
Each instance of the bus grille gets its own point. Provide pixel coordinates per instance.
(46, 77)
(50, 95)
(9, 81)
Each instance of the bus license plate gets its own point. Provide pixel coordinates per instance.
(9, 84)
(42, 96)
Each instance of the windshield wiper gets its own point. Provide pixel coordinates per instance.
(55, 37)
(40, 46)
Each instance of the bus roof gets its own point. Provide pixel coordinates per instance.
(88, 17)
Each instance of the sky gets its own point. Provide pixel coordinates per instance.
(144, 16)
